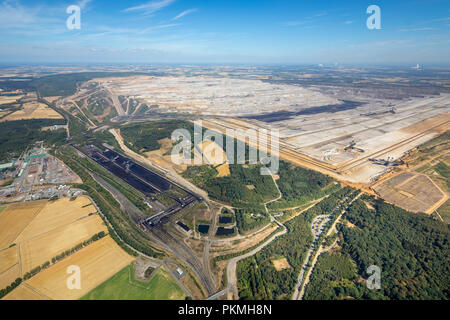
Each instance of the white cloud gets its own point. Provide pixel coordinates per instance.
(151, 7)
(435, 20)
(184, 13)
(37, 19)
(415, 29)
(159, 27)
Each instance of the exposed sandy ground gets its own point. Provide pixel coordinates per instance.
(320, 145)
(23, 292)
(57, 214)
(412, 191)
(172, 173)
(209, 95)
(36, 251)
(33, 110)
(15, 218)
(211, 153)
(281, 264)
(224, 170)
(98, 262)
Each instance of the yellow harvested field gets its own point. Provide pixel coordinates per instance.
(36, 251)
(9, 99)
(8, 258)
(15, 218)
(281, 264)
(2, 113)
(33, 110)
(51, 99)
(98, 262)
(9, 276)
(224, 170)
(212, 153)
(57, 214)
(23, 292)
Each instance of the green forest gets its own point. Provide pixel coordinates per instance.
(250, 219)
(61, 84)
(244, 186)
(257, 276)
(16, 136)
(299, 185)
(143, 137)
(412, 251)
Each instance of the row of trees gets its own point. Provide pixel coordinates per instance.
(11, 287)
(124, 228)
(64, 254)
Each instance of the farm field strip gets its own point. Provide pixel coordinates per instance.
(41, 230)
(98, 262)
(57, 214)
(8, 276)
(36, 251)
(8, 258)
(24, 292)
(33, 110)
(15, 218)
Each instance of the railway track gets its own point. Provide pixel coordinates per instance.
(185, 254)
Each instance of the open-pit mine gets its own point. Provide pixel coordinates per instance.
(353, 137)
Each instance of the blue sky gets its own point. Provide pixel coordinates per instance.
(229, 31)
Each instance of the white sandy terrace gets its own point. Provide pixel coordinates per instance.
(217, 96)
(321, 136)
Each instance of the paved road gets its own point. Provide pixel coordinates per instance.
(185, 254)
(301, 285)
(115, 101)
(164, 240)
(164, 263)
(125, 205)
(218, 294)
(231, 267)
(143, 160)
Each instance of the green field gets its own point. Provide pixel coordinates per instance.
(124, 286)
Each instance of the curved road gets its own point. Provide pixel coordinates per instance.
(231, 267)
